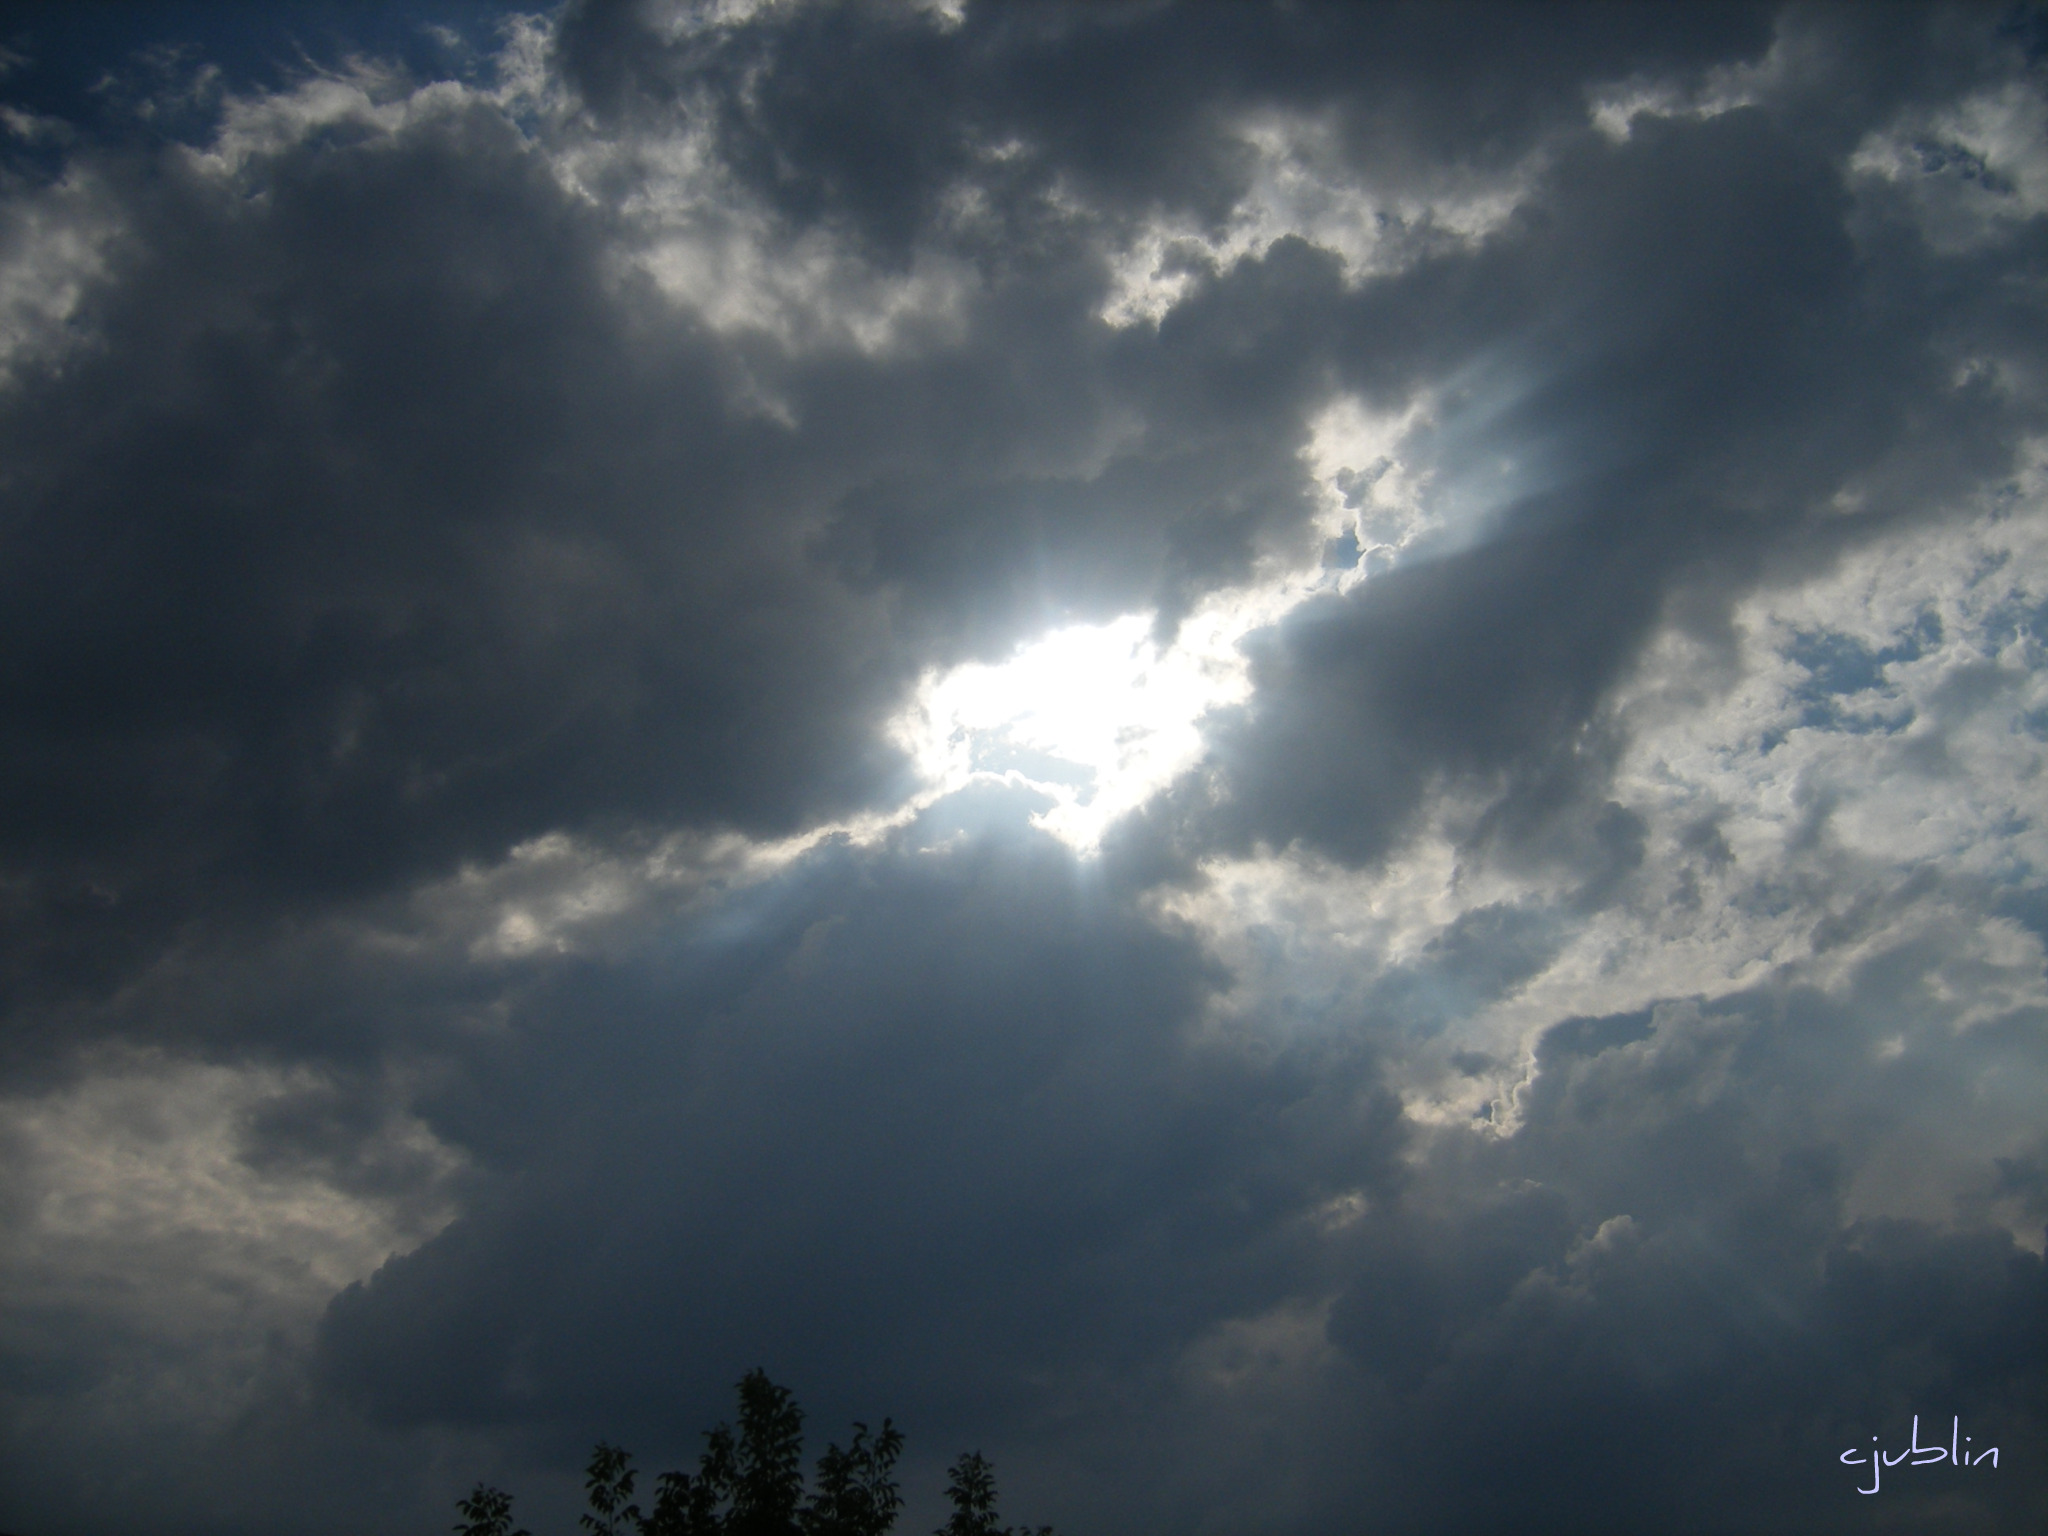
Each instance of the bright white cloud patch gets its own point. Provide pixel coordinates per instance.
(52, 247)
(1372, 491)
(712, 248)
(166, 1229)
(1972, 173)
(1856, 797)
(1302, 185)
(1095, 716)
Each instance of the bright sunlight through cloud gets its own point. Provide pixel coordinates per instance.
(1095, 716)
(1098, 717)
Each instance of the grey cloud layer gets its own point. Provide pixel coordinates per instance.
(450, 533)
(1699, 358)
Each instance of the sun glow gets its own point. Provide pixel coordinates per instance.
(1095, 716)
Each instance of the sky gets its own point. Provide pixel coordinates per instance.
(1285, 760)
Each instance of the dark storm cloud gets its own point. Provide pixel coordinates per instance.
(1699, 357)
(383, 527)
(403, 590)
(928, 1131)
(1655, 1303)
(380, 527)
(929, 1123)
(868, 114)
(937, 1121)
(370, 533)
(977, 557)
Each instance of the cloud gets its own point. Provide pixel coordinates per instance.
(1666, 1262)
(1280, 759)
(411, 549)
(959, 1074)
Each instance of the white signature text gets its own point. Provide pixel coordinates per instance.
(1958, 1452)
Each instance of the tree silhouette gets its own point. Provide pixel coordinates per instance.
(857, 1493)
(690, 1506)
(683, 1506)
(971, 1487)
(972, 1490)
(745, 1485)
(750, 1482)
(486, 1512)
(609, 1482)
(768, 1473)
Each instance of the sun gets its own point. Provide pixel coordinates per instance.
(1096, 717)
(1099, 717)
